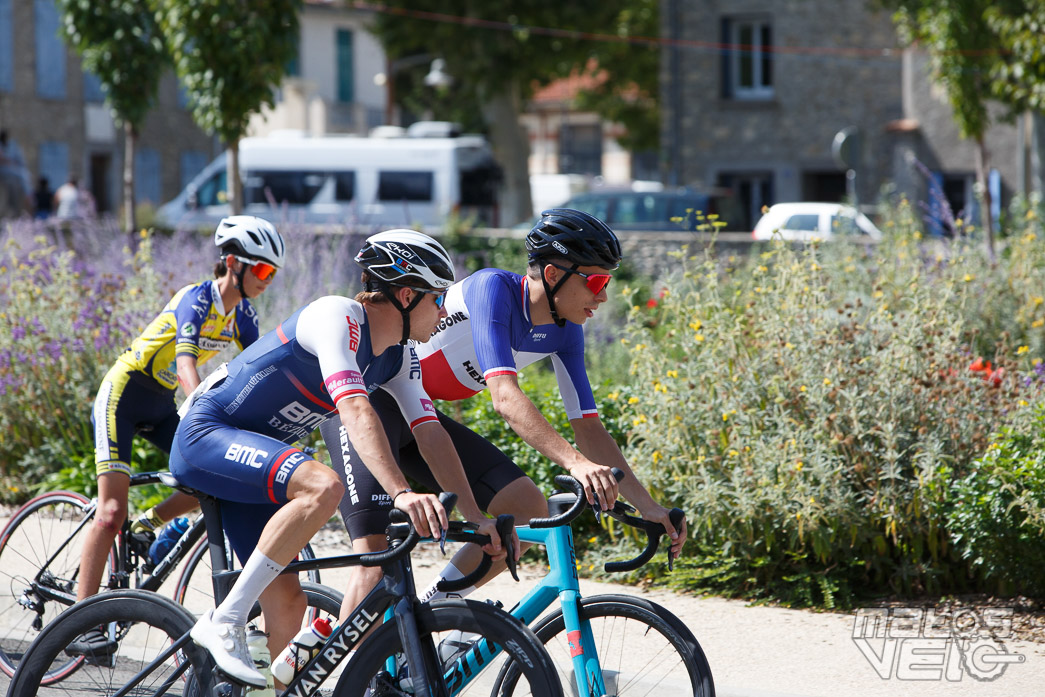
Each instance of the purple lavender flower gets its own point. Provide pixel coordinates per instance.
(18, 332)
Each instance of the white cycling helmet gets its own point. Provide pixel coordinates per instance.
(251, 237)
(406, 258)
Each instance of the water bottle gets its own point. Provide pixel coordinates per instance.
(300, 650)
(166, 539)
(258, 645)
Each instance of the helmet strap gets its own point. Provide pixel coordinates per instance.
(237, 278)
(386, 290)
(550, 291)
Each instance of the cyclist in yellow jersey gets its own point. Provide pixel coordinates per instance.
(137, 394)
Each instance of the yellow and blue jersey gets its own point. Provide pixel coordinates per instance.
(194, 323)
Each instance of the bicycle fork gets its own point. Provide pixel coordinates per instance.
(587, 671)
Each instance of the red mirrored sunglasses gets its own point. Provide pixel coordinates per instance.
(261, 269)
(596, 282)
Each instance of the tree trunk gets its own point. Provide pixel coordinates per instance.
(982, 169)
(511, 147)
(1038, 153)
(234, 185)
(130, 136)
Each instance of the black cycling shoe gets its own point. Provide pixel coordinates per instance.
(96, 647)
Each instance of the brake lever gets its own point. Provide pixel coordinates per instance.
(505, 528)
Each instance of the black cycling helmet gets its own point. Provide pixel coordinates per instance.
(576, 236)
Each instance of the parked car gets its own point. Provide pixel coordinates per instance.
(672, 210)
(806, 221)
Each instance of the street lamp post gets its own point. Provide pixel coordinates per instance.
(436, 77)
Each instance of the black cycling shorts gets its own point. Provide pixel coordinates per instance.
(365, 505)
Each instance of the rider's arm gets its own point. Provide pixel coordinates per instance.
(527, 421)
(368, 438)
(595, 441)
(188, 375)
(438, 451)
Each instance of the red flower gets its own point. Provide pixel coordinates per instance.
(651, 303)
(977, 365)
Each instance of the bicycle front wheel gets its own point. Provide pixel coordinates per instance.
(39, 563)
(643, 649)
(144, 625)
(366, 675)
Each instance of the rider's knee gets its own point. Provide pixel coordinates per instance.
(110, 514)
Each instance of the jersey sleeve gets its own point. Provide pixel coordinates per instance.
(190, 312)
(572, 376)
(489, 300)
(409, 392)
(246, 325)
(330, 328)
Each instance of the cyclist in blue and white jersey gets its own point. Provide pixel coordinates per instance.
(498, 322)
(235, 441)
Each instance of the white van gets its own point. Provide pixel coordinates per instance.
(400, 178)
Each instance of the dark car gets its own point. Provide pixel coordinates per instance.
(657, 210)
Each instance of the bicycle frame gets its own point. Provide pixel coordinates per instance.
(560, 582)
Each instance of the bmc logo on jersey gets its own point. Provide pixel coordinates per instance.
(297, 413)
(292, 461)
(246, 455)
(353, 334)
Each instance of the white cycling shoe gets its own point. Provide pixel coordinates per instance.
(227, 645)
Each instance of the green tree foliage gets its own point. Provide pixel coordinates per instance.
(498, 53)
(121, 44)
(230, 56)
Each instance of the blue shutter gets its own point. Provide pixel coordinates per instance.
(183, 96)
(92, 88)
(7, 51)
(54, 162)
(50, 51)
(147, 176)
(293, 67)
(192, 163)
(345, 85)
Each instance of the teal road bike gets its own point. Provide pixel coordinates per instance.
(603, 645)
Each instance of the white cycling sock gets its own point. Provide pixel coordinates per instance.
(450, 573)
(257, 574)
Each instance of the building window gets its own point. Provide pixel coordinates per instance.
(7, 51)
(824, 186)
(192, 163)
(92, 89)
(293, 67)
(147, 176)
(580, 149)
(345, 83)
(54, 162)
(50, 51)
(747, 64)
(751, 190)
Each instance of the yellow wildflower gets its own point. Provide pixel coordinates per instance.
(633, 400)
(1022, 350)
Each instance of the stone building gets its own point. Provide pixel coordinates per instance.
(754, 93)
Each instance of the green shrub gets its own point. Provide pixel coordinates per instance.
(811, 409)
(998, 515)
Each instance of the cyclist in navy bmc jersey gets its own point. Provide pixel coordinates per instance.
(496, 323)
(235, 440)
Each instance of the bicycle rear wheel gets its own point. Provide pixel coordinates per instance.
(643, 649)
(39, 561)
(145, 624)
(537, 675)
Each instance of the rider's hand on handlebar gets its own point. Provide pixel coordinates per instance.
(659, 514)
(599, 484)
(426, 513)
(496, 551)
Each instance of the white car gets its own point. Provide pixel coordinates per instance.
(808, 221)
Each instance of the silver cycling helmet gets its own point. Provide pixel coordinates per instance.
(250, 237)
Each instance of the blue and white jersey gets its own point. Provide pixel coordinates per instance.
(488, 332)
(290, 380)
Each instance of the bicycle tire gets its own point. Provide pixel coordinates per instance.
(613, 619)
(194, 589)
(36, 532)
(147, 622)
(519, 643)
